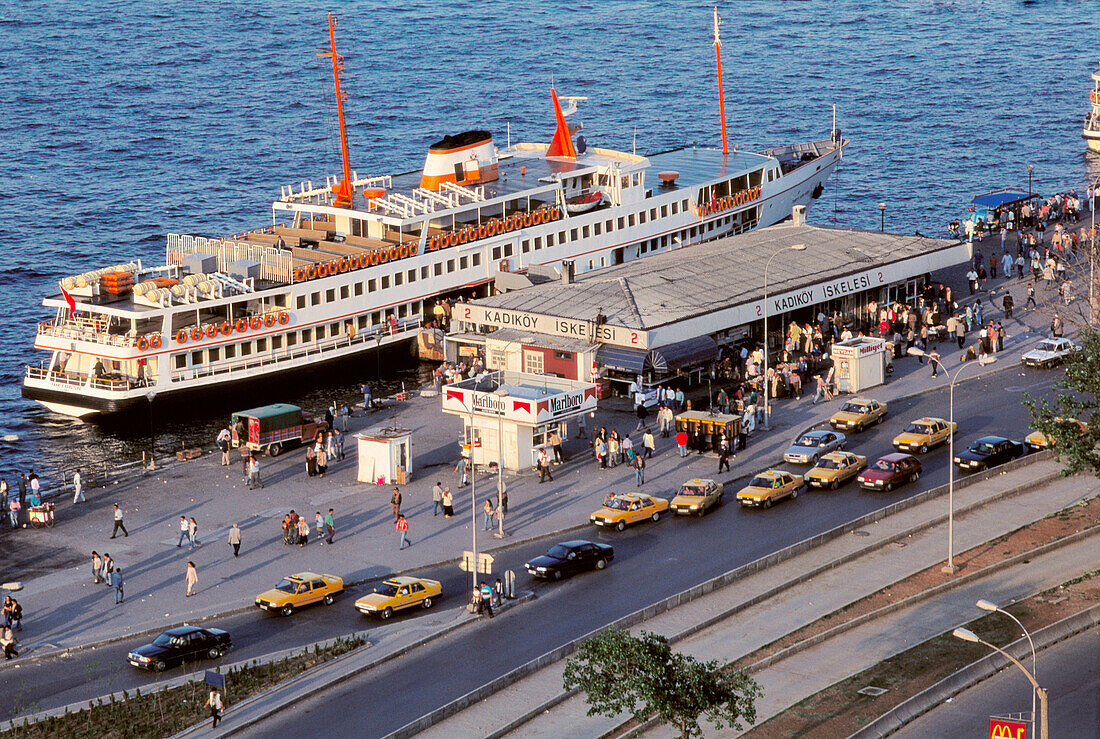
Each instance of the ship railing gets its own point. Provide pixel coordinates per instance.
(375, 336)
(85, 329)
(276, 265)
(78, 379)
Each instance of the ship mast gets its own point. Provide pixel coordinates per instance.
(721, 96)
(343, 190)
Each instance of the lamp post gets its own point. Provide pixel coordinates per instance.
(500, 393)
(792, 247)
(970, 636)
(986, 605)
(150, 396)
(950, 568)
(1029, 169)
(882, 213)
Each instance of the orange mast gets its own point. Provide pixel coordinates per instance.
(343, 189)
(721, 96)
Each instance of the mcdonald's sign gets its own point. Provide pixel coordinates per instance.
(1000, 728)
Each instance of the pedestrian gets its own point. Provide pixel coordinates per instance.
(598, 448)
(682, 443)
(639, 471)
(972, 280)
(555, 444)
(487, 515)
(338, 442)
(643, 414)
(78, 488)
(108, 569)
(185, 530)
(222, 441)
(330, 445)
(254, 473)
(214, 703)
(613, 449)
(118, 523)
(344, 413)
(322, 459)
(486, 595)
(116, 583)
(311, 461)
(934, 360)
(821, 390)
(648, 443)
(395, 503)
(960, 332)
(367, 400)
(193, 533)
(544, 466)
(192, 579)
(1031, 297)
(3, 494)
(330, 526)
(286, 529)
(437, 499)
(34, 484)
(502, 495)
(664, 420)
(8, 611)
(319, 524)
(448, 500)
(1056, 326)
(303, 532)
(14, 615)
(582, 427)
(463, 469)
(97, 568)
(402, 527)
(8, 642)
(235, 539)
(22, 490)
(724, 454)
(1007, 302)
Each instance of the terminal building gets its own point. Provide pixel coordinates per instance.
(675, 313)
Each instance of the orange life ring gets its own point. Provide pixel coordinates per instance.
(181, 337)
(269, 320)
(491, 228)
(211, 331)
(414, 248)
(241, 325)
(342, 265)
(311, 271)
(255, 322)
(226, 328)
(143, 343)
(482, 231)
(154, 341)
(525, 220)
(464, 236)
(333, 267)
(196, 334)
(403, 251)
(556, 213)
(284, 318)
(372, 257)
(383, 256)
(357, 261)
(394, 253)
(536, 217)
(322, 269)
(300, 274)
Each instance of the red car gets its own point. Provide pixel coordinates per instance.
(890, 471)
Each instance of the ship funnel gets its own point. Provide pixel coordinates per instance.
(466, 159)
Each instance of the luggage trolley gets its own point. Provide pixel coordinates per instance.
(710, 426)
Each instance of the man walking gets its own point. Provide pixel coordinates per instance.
(116, 583)
(118, 523)
(235, 539)
(1056, 326)
(78, 488)
(724, 454)
(214, 703)
(934, 360)
(639, 470)
(648, 443)
(960, 332)
(185, 530)
(544, 466)
(1031, 297)
(395, 504)
(555, 443)
(367, 400)
(463, 469)
(1007, 302)
(437, 499)
(330, 526)
(222, 441)
(22, 489)
(402, 527)
(254, 473)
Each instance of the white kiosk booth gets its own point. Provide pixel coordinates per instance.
(508, 416)
(860, 363)
(385, 456)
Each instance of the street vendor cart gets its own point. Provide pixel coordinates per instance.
(710, 427)
(41, 515)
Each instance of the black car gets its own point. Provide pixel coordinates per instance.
(179, 645)
(989, 451)
(570, 557)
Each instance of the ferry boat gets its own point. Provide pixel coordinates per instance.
(357, 264)
(1091, 131)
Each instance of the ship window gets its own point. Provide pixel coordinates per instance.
(196, 358)
(261, 346)
(475, 259)
(463, 262)
(675, 208)
(402, 310)
(423, 273)
(642, 217)
(307, 336)
(180, 360)
(330, 296)
(496, 252)
(385, 281)
(603, 261)
(372, 285)
(561, 237)
(276, 343)
(345, 291)
(664, 211)
(320, 332)
(291, 339)
(508, 249)
(458, 172)
(362, 320)
(652, 214)
(230, 351)
(631, 220)
(410, 276)
(586, 231)
(334, 329)
(525, 245)
(437, 269)
(538, 243)
(376, 318)
(573, 234)
(771, 175)
(549, 241)
(246, 348)
(301, 302)
(399, 279)
(622, 222)
(450, 265)
(315, 298)
(358, 289)
(215, 354)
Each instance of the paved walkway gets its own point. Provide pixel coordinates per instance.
(756, 626)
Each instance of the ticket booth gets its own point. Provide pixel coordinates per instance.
(385, 456)
(860, 364)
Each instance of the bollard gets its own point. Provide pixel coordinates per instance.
(510, 585)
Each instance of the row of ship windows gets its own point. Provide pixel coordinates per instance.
(396, 279)
(689, 234)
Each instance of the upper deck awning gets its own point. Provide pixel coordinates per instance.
(999, 198)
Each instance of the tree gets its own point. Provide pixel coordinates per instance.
(1078, 399)
(619, 672)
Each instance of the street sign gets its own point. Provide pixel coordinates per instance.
(484, 562)
(1000, 728)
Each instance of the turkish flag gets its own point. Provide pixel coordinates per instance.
(69, 300)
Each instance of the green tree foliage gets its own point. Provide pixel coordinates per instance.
(1078, 399)
(643, 676)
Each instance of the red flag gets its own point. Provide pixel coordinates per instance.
(69, 300)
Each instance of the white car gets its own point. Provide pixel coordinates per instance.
(1050, 352)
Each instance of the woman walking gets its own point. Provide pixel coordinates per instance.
(193, 533)
(97, 568)
(322, 459)
(448, 503)
(303, 532)
(311, 461)
(192, 578)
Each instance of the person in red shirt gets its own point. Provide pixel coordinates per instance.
(402, 527)
(682, 443)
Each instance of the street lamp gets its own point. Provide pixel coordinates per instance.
(500, 393)
(970, 636)
(950, 568)
(792, 247)
(1029, 169)
(986, 605)
(150, 396)
(882, 212)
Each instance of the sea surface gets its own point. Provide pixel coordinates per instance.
(126, 120)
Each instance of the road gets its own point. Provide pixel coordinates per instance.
(1069, 670)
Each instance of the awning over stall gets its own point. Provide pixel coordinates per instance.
(621, 358)
(672, 357)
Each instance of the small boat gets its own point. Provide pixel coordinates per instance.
(584, 203)
(1091, 131)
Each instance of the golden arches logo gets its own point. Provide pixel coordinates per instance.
(1002, 729)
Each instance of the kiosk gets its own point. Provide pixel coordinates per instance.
(705, 429)
(860, 363)
(385, 456)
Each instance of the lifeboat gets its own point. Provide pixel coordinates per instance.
(584, 203)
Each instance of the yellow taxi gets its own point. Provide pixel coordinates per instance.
(857, 414)
(696, 497)
(1037, 440)
(923, 434)
(399, 593)
(765, 488)
(836, 469)
(299, 591)
(620, 511)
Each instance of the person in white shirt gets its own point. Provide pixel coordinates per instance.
(78, 488)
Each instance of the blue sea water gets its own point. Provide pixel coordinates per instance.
(126, 120)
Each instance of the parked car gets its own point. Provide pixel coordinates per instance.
(569, 558)
(179, 645)
(297, 591)
(770, 486)
(1049, 353)
(620, 511)
(696, 497)
(835, 469)
(857, 414)
(988, 451)
(890, 471)
(1037, 440)
(923, 434)
(813, 445)
(399, 593)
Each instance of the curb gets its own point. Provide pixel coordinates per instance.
(974, 673)
(720, 581)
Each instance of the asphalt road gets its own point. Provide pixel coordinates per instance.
(1069, 670)
(652, 562)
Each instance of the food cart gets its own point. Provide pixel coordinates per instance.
(41, 515)
(711, 426)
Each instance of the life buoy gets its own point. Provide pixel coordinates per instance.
(403, 251)
(537, 217)
(556, 212)
(181, 337)
(311, 272)
(226, 328)
(342, 265)
(300, 274)
(491, 228)
(269, 320)
(143, 343)
(373, 257)
(196, 334)
(322, 269)
(154, 341)
(414, 248)
(525, 220)
(241, 325)
(211, 331)
(255, 322)
(464, 236)
(333, 267)
(284, 318)
(482, 231)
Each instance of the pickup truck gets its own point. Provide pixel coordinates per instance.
(273, 428)
(989, 451)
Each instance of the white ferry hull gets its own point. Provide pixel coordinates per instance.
(1092, 139)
